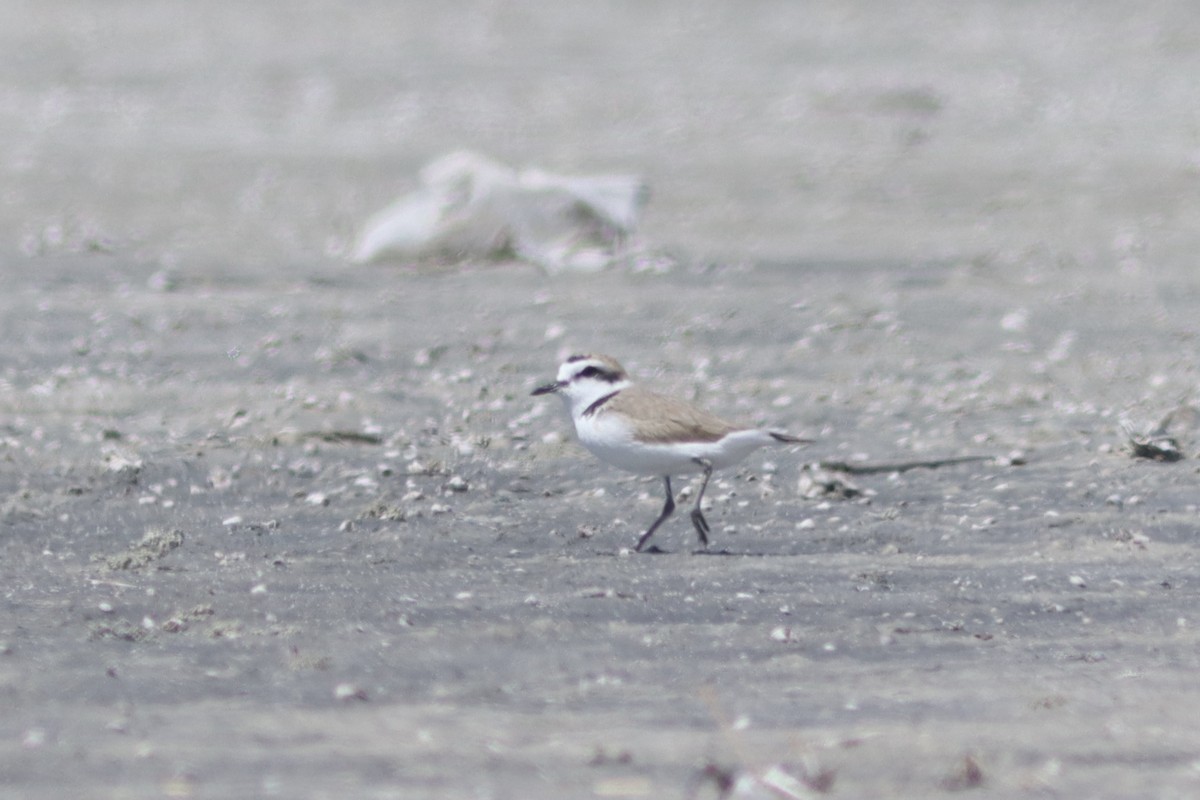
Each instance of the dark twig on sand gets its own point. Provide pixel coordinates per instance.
(904, 466)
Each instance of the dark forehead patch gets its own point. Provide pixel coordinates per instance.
(595, 366)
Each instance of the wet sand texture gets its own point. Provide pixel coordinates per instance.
(271, 525)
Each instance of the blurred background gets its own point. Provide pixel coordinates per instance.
(237, 133)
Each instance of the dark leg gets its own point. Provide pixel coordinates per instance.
(698, 520)
(668, 510)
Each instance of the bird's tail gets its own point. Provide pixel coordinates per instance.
(787, 438)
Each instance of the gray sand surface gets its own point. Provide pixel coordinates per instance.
(271, 525)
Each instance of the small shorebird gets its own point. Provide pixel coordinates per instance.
(649, 433)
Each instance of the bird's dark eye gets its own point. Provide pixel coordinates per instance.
(589, 372)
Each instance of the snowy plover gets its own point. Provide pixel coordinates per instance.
(651, 434)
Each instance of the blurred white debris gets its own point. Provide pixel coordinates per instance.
(471, 206)
(349, 691)
(776, 782)
(818, 482)
(120, 460)
(772, 782)
(1016, 320)
(1157, 445)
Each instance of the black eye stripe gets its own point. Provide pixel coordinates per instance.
(600, 373)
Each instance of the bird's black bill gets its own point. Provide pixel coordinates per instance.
(549, 388)
(789, 439)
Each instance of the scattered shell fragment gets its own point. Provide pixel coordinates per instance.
(816, 482)
(154, 545)
(1157, 445)
(782, 633)
(33, 738)
(385, 512)
(1155, 448)
(967, 775)
(349, 691)
(776, 782)
(118, 460)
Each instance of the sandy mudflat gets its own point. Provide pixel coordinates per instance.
(271, 525)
